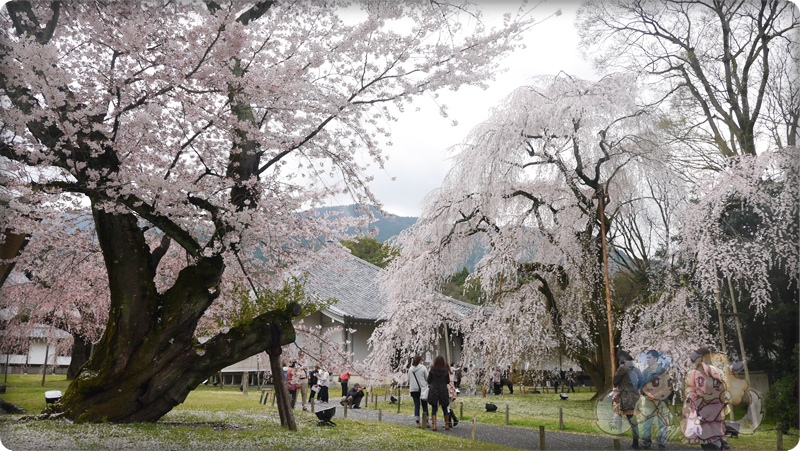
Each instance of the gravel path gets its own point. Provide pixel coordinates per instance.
(515, 437)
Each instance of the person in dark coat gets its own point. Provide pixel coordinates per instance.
(438, 380)
(627, 381)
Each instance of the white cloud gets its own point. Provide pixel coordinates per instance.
(419, 157)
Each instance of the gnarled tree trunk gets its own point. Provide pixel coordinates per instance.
(148, 359)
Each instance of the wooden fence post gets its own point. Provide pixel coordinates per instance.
(474, 426)
(541, 438)
(560, 419)
(380, 415)
(506, 414)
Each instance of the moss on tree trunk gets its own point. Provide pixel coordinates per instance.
(148, 359)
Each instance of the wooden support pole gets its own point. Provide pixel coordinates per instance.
(560, 418)
(345, 410)
(398, 401)
(380, 415)
(617, 444)
(779, 437)
(461, 410)
(506, 414)
(602, 198)
(723, 348)
(739, 332)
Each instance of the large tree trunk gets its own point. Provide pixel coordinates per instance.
(80, 355)
(148, 359)
(595, 362)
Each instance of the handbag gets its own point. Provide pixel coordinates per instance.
(423, 393)
(451, 391)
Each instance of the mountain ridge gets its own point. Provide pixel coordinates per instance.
(386, 227)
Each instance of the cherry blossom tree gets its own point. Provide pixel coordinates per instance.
(207, 127)
(524, 186)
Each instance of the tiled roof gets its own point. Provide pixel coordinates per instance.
(353, 282)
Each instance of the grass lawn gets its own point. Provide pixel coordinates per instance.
(214, 418)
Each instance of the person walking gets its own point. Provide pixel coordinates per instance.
(509, 380)
(571, 380)
(627, 382)
(458, 373)
(656, 388)
(450, 418)
(293, 382)
(418, 385)
(556, 377)
(438, 379)
(497, 381)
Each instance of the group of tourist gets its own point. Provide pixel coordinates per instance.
(309, 384)
(435, 387)
(316, 383)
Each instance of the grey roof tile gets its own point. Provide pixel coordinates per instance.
(353, 282)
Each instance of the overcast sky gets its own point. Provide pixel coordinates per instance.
(419, 160)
